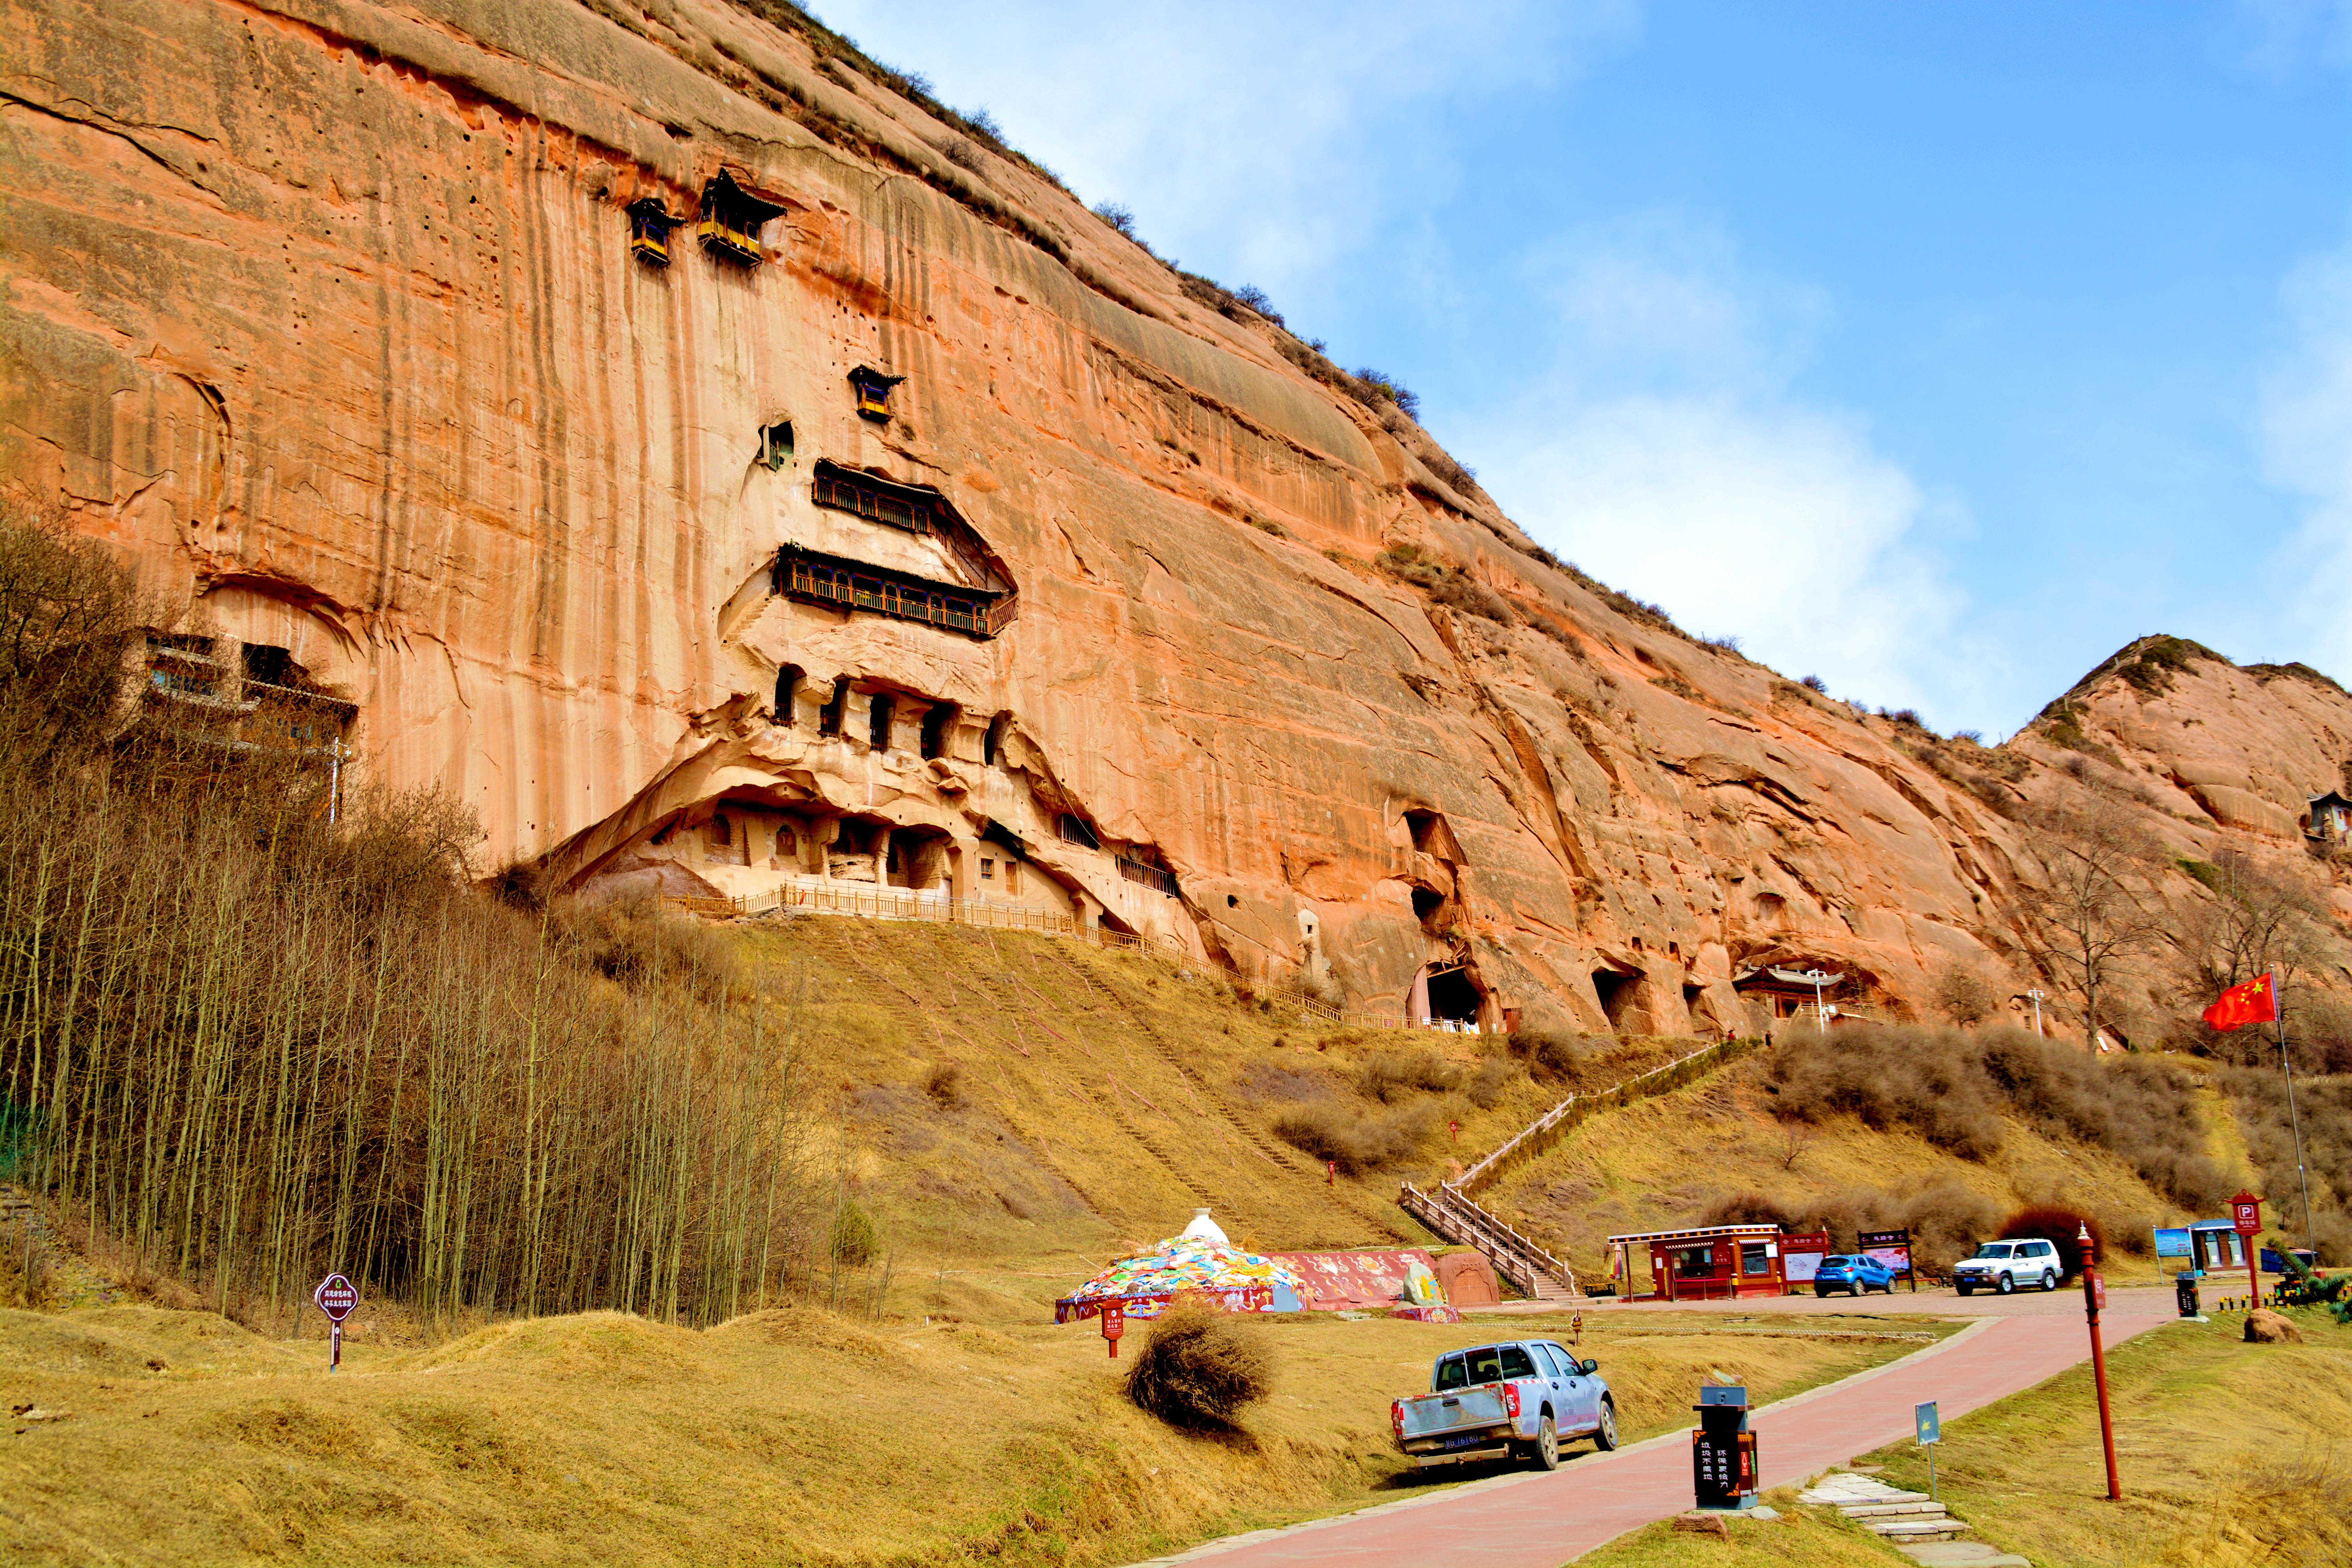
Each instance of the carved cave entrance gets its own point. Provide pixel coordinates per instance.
(1455, 995)
(1615, 992)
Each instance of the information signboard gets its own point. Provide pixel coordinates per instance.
(1891, 1248)
(1801, 1255)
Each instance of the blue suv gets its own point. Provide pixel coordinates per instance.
(1854, 1275)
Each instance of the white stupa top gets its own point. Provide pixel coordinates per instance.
(1205, 1228)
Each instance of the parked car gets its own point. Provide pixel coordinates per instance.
(1517, 1400)
(2003, 1266)
(1852, 1275)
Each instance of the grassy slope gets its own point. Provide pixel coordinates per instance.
(2231, 1456)
(1098, 1098)
(1663, 1162)
(792, 1434)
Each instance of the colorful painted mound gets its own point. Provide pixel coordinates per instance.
(1216, 1272)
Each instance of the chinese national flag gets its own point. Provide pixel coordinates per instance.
(2255, 1002)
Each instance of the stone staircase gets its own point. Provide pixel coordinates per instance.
(1460, 1220)
(1912, 1522)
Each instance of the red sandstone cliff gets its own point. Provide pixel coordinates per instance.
(324, 313)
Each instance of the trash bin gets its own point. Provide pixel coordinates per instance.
(1723, 1450)
(2184, 1292)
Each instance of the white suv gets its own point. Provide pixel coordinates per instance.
(2003, 1266)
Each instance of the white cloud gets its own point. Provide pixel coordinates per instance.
(1659, 444)
(1259, 141)
(2306, 425)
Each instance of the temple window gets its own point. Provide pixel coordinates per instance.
(828, 721)
(649, 226)
(720, 833)
(731, 217)
(873, 389)
(878, 709)
(788, 693)
(776, 444)
(1077, 830)
(987, 870)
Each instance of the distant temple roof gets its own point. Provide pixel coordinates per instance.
(1774, 974)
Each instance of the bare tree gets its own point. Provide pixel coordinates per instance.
(2261, 917)
(2087, 910)
(1964, 995)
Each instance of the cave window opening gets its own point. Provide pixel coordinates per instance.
(788, 691)
(1453, 997)
(776, 445)
(1423, 826)
(987, 870)
(1426, 902)
(1077, 830)
(828, 721)
(1615, 992)
(936, 724)
(878, 710)
(992, 748)
(649, 226)
(721, 832)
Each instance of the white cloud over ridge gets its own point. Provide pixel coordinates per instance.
(1660, 442)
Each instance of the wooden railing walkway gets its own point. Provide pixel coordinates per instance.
(1454, 1214)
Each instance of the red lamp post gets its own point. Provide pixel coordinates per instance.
(2095, 1295)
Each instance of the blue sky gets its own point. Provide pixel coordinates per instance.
(1937, 350)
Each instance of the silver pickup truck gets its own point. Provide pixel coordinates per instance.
(1517, 1400)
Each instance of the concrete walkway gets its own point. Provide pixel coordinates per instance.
(1529, 1520)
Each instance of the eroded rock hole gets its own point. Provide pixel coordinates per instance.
(1615, 992)
(938, 725)
(788, 692)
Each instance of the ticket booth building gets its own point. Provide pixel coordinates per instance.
(1709, 1263)
(2217, 1247)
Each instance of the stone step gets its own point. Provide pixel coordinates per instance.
(1914, 1528)
(1888, 1510)
(1959, 1554)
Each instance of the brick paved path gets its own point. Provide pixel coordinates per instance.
(1536, 1521)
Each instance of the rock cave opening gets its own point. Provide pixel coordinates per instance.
(828, 718)
(1454, 996)
(788, 691)
(991, 745)
(1426, 903)
(1615, 991)
(916, 859)
(938, 725)
(878, 710)
(776, 445)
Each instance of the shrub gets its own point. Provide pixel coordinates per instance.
(1354, 1143)
(2061, 1226)
(1391, 1076)
(1816, 685)
(1117, 216)
(1486, 1091)
(1951, 1087)
(963, 156)
(1199, 1369)
(855, 1240)
(628, 939)
(1549, 1055)
(1964, 995)
(945, 1085)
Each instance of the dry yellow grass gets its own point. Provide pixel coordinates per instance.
(2231, 1454)
(786, 1436)
(1096, 1100)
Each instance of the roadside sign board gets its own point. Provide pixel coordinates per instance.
(2246, 1214)
(1114, 1325)
(1931, 1424)
(337, 1297)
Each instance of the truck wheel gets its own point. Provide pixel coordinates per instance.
(1961, 1289)
(1605, 1436)
(2049, 1280)
(1545, 1452)
(2006, 1285)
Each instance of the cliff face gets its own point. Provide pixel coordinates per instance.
(324, 313)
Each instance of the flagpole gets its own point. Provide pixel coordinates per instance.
(2287, 1063)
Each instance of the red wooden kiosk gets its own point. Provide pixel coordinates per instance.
(1707, 1263)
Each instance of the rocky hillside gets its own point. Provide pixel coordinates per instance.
(327, 314)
